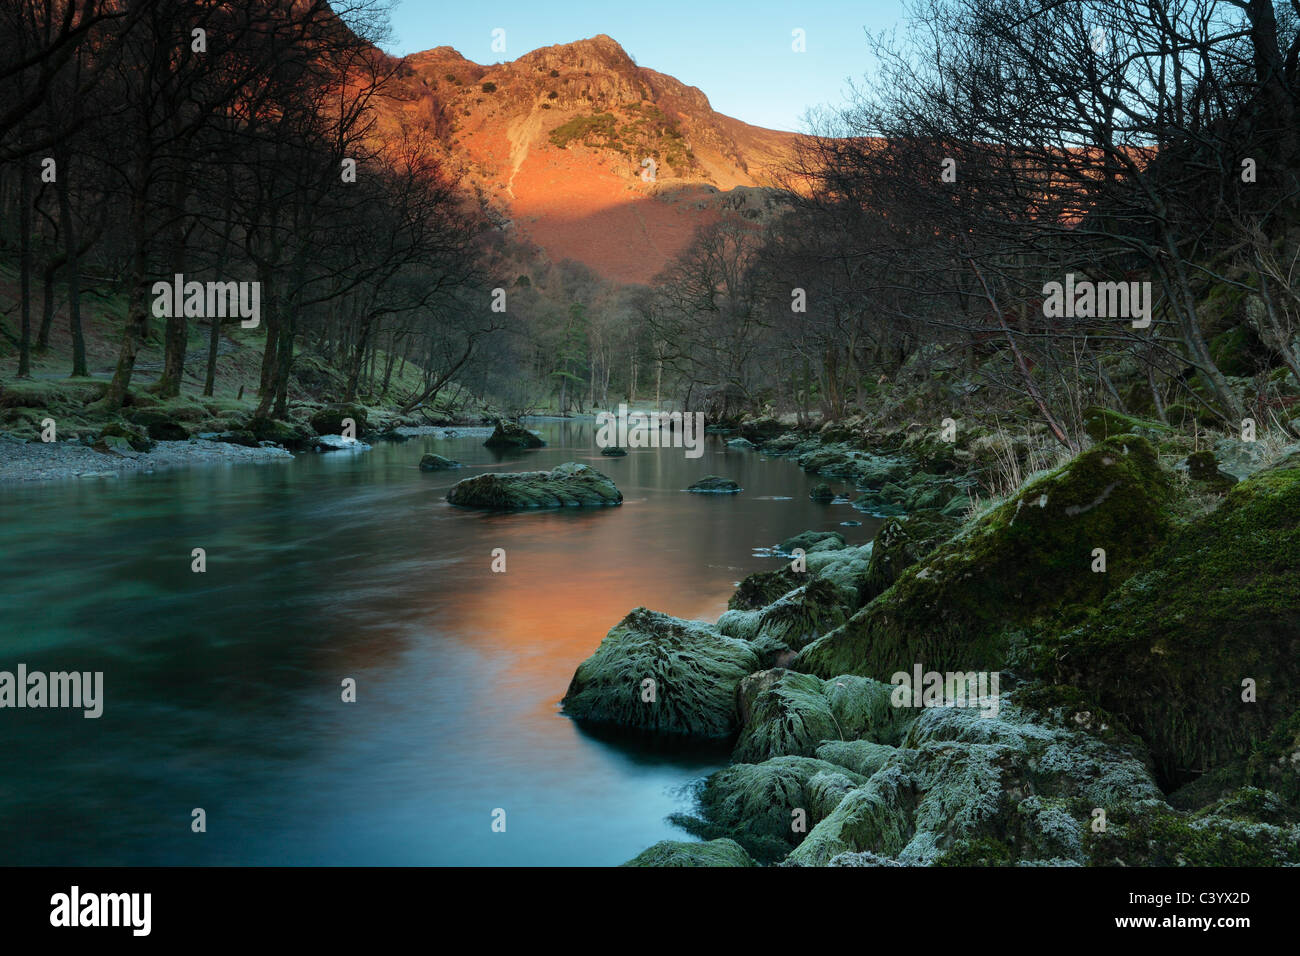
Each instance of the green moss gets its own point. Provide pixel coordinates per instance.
(569, 485)
(756, 804)
(793, 620)
(763, 587)
(675, 853)
(695, 671)
(1102, 423)
(1029, 560)
(1155, 835)
(512, 435)
(786, 713)
(984, 851)
(1168, 651)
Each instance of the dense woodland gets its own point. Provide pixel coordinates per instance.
(898, 270)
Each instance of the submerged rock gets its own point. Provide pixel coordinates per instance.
(512, 435)
(693, 671)
(571, 485)
(677, 853)
(437, 463)
(740, 444)
(713, 484)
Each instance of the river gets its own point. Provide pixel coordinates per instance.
(222, 689)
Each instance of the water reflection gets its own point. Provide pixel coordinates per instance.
(223, 689)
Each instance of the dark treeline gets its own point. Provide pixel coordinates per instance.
(1003, 145)
(233, 142)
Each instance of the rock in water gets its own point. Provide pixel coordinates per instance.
(339, 443)
(659, 673)
(712, 484)
(571, 485)
(721, 852)
(821, 492)
(613, 452)
(512, 435)
(437, 463)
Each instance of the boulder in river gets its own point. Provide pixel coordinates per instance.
(662, 674)
(339, 443)
(570, 485)
(613, 452)
(437, 463)
(821, 492)
(330, 420)
(513, 435)
(714, 485)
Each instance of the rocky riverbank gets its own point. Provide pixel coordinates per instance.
(1116, 643)
(60, 430)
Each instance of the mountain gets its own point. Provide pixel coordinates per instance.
(556, 140)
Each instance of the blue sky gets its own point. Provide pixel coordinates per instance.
(739, 54)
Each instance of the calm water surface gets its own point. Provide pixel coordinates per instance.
(222, 690)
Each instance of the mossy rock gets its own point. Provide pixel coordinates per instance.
(509, 434)
(437, 463)
(1026, 561)
(291, 435)
(757, 804)
(694, 670)
(877, 816)
(863, 757)
(160, 425)
(329, 420)
(1169, 650)
(1203, 467)
(721, 852)
(761, 588)
(137, 439)
(821, 492)
(1102, 423)
(1183, 415)
(571, 485)
(614, 452)
(901, 543)
(793, 620)
(785, 713)
(1239, 352)
(969, 785)
(1154, 834)
(715, 485)
(813, 541)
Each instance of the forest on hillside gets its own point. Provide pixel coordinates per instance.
(904, 261)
